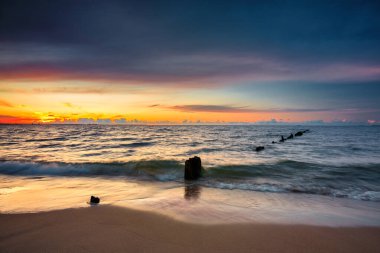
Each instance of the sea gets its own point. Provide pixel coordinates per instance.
(330, 175)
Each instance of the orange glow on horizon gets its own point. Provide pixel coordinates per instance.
(68, 101)
(152, 118)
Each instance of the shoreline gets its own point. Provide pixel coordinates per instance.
(107, 228)
(193, 202)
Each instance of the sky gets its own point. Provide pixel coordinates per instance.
(89, 61)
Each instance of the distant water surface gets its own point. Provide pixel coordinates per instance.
(338, 161)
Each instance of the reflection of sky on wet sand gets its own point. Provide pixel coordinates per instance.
(188, 202)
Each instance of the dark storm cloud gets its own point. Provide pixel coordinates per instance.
(187, 40)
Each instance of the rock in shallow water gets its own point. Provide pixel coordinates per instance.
(259, 148)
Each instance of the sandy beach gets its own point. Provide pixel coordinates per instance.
(116, 229)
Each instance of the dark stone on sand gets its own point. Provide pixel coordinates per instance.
(273, 142)
(259, 148)
(94, 200)
(193, 168)
(299, 133)
(282, 139)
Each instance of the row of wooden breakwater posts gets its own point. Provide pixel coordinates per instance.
(193, 166)
(291, 136)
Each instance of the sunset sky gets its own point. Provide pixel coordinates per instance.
(181, 61)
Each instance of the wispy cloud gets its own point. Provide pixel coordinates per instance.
(9, 119)
(74, 87)
(5, 103)
(210, 69)
(74, 90)
(240, 109)
(68, 105)
(209, 108)
(71, 105)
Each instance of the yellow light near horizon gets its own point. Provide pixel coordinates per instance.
(61, 101)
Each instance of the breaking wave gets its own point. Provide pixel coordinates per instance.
(287, 176)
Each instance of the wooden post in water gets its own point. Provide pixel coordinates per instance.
(193, 168)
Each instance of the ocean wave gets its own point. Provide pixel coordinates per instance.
(154, 168)
(136, 144)
(51, 145)
(203, 150)
(46, 139)
(358, 194)
(123, 139)
(10, 143)
(287, 176)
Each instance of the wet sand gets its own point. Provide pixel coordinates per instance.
(116, 229)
